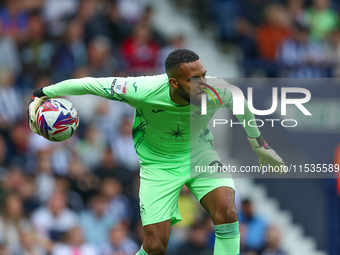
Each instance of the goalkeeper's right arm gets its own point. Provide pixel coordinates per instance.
(115, 88)
(69, 87)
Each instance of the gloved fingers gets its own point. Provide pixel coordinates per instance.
(261, 162)
(276, 166)
(274, 156)
(33, 127)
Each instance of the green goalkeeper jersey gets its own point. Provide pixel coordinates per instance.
(164, 133)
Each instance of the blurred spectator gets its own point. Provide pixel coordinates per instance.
(14, 19)
(109, 115)
(272, 242)
(4, 250)
(132, 192)
(140, 51)
(10, 112)
(119, 206)
(71, 53)
(123, 147)
(177, 42)
(259, 58)
(87, 11)
(74, 244)
(108, 23)
(32, 5)
(81, 180)
(45, 182)
(120, 242)
(109, 169)
(258, 38)
(117, 27)
(74, 199)
(131, 10)
(95, 222)
(91, 148)
(13, 180)
(55, 219)
(55, 14)
(197, 241)
(301, 58)
(297, 11)
(227, 14)
(332, 47)
(3, 155)
(254, 18)
(9, 53)
(28, 194)
(322, 19)
(252, 228)
(19, 137)
(61, 155)
(12, 222)
(34, 245)
(273, 32)
(35, 145)
(36, 52)
(147, 20)
(100, 62)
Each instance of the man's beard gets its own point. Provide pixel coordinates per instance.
(187, 97)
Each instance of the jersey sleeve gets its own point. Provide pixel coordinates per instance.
(113, 88)
(227, 102)
(248, 118)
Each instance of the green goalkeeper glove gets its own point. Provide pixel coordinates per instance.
(266, 153)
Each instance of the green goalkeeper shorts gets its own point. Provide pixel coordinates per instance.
(160, 188)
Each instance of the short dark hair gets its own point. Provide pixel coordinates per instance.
(178, 57)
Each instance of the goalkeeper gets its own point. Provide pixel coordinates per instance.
(163, 142)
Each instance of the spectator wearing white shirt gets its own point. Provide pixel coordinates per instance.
(119, 206)
(123, 148)
(55, 219)
(9, 53)
(299, 57)
(12, 222)
(11, 107)
(95, 222)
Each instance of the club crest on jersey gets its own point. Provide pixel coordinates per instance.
(120, 87)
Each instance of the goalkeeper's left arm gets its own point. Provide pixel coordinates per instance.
(266, 154)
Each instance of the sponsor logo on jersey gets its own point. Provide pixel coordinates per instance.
(113, 86)
(176, 135)
(120, 87)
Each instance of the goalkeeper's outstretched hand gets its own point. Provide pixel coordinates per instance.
(37, 99)
(266, 154)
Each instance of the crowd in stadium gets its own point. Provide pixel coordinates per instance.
(81, 197)
(280, 38)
